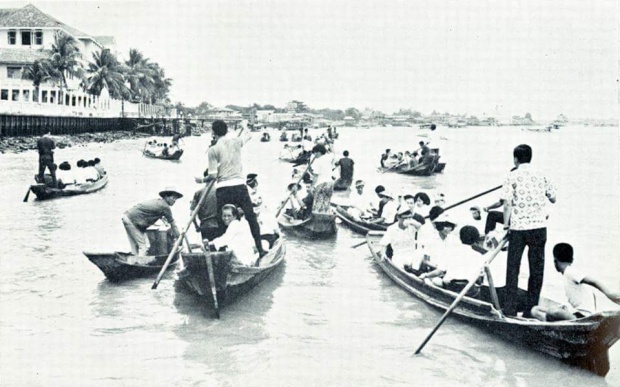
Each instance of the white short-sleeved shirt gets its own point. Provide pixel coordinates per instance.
(404, 243)
(322, 167)
(580, 296)
(463, 264)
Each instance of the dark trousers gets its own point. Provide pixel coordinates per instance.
(239, 196)
(535, 241)
(209, 233)
(493, 218)
(47, 162)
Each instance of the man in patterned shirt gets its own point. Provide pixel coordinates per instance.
(525, 193)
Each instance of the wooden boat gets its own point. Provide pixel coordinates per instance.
(317, 226)
(583, 342)
(418, 170)
(265, 138)
(358, 225)
(215, 278)
(44, 192)
(172, 156)
(303, 158)
(118, 266)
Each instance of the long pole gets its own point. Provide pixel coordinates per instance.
(472, 281)
(472, 198)
(179, 240)
(177, 243)
(298, 181)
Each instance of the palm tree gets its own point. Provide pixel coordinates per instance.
(65, 58)
(161, 84)
(106, 72)
(38, 73)
(139, 75)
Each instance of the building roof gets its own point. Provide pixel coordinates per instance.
(106, 40)
(32, 17)
(21, 56)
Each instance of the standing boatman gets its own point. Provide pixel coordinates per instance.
(525, 193)
(226, 169)
(46, 146)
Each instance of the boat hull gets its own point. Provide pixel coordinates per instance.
(173, 156)
(359, 226)
(43, 192)
(231, 282)
(317, 226)
(416, 171)
(584, 342)
(118, 267)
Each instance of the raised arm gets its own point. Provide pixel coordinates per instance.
(615, 297)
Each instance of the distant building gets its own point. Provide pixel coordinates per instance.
(26, 35)
(349, 121)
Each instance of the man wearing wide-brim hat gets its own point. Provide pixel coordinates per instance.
(141, 216)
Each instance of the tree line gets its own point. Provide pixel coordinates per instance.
(138, 79)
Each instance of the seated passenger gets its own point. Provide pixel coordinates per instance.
(579, 289)
(64, 175)
(300, 204)
(461, 266)
(360, 203)
(165, 151)
(99, 167)
(237, 237)
(388, 207)
(399, 243)
(437, 239)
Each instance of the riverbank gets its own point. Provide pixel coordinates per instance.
(26, 143)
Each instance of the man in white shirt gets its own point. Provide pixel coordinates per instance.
(400, 239)
(359, 202)
(579, 289)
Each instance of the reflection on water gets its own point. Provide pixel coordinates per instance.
(329, 317)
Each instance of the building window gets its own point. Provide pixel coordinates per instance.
(67, 99)
(26, 38)
(52, 96)
(4, 94)
(14, 72)
(73, 100)
(12, 37)
(14, 95)
(26, 94)
(38, 38)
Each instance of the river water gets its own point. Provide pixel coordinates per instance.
(328, 317)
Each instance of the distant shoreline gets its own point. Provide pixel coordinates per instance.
(28, 143)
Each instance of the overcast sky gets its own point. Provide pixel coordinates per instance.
(475, 57)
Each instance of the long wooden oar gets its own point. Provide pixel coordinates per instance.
(182, 235)
(288, 197)
(469, 199)
(489, 258)
(28, 194)
(211, 277)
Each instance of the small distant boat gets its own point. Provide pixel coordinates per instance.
(213, 276)
(171, 156)
(45, 192)
(303, 158)
(418, 170)
(283, 137)
(265, 138)
(584, 342)
(547, 129)
(317, 226)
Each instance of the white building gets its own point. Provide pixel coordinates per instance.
(26, 35)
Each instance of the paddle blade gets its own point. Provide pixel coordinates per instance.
(27, 195)
(154, 285)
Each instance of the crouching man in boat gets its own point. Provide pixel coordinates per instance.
(360, 203)
(579, 288)
(141, 216)
(237, 237)
(400, 241)
(299, 209)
